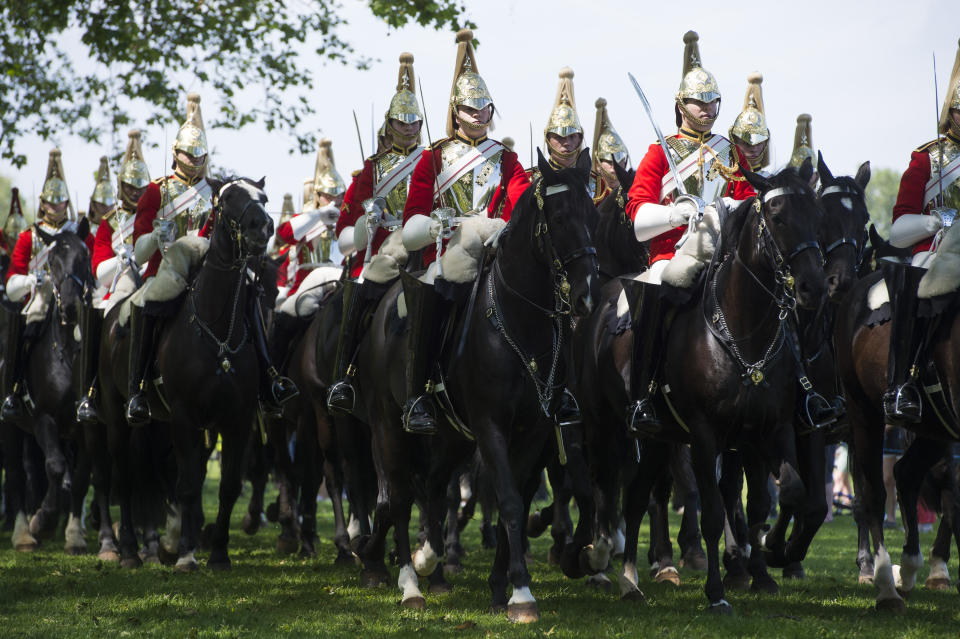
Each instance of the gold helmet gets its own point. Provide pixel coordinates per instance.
(508, 142)
(952, 100)
(286, 209)
(468, 88)
(750, 127)
(103, 190)
(563, 118)
(607, 143)
(133, 168)
(191, 137)
(697, 82)
(55, 186)
(325, 176)
(403, 105)
(15, 223)
(308, 203)
(803, 142)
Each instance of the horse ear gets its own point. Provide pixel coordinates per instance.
(757, 181)
(584, 163)
(624, 176)
(83, 228)
(825, 175)
(546, 171)
(863, 175)
(261, 182)
(806, 171)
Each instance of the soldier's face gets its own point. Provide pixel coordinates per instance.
(476, 120)
(405, 130)
(53, 212)
(753, 151)
(190, 164)
(609, 173)
(562, 147)
(97, 211)
(130, 193)
(323, 199)
(701, 111)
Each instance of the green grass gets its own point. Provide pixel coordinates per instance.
(48, 594)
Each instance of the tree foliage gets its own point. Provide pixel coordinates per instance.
(881, 196)
(150, 52)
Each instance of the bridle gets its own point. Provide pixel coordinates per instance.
(858, 244)
(234, 226)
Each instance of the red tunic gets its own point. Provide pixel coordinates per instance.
(102, 245)
(22, 252)
(913, 183)
(352, 210)
(513, 183)
(285, 233)
(147, 207)
(646, 189)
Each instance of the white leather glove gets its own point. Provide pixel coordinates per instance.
(145, 246)
(653, 219)
(106, 270)
(329, 214)
(346, 241)
(19, 286)
(681, 212)
(419, 231)
(360, 234)
(909, 229)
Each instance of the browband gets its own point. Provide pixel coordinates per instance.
(783, 190)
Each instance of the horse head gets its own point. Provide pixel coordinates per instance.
(565, 221)
(619, 250)
(242, 216)
(787, 221)
(843, 232)
(70, 275)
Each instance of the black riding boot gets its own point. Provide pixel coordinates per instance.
(91, 323)
(141, 357)
(341, 398)
(419, 412)
(13, 365)
(902, 401)
(648, 345)
(277, 389)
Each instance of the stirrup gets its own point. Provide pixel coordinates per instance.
(902, 405)
(282, 388)
(819, 412)
(568, 414)
(341, 398)
(12, 408)
(418, 418)
(642, 419)
(87, 410)
(138, 409)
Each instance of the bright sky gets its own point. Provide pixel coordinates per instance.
(863, 70)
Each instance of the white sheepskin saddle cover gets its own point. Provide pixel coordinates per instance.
(461, 258)
(390, 258)
(877, 295)
(944, 274)
(697, 251)
(314, 287)
(39, 305)
(171, 278)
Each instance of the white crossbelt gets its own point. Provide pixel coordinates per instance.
(950, 174)
(185, 200)
(397, 174)
(689, 165)
(480, 153)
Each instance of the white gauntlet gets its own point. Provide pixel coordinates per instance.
(346, 241)
(19, 286)
(909, 229)
(653, 219)
(420, 231)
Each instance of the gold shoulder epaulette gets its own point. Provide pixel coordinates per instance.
(927, 145)
(159, 180)
(356, 172)
(439, 143)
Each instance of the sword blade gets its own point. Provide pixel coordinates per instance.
(663, 142)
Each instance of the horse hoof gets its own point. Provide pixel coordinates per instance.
(694, 561)
(344, 558)
(893, 605)
(667, 575)
(131, 562)
(219, 566)
(39, 526)
(250, 525)
(76, 551)
(186, 567)
(374, 579)
(440, 588)
(904, 593)
(27, 546)
(865, 580)
(553, 555)
(287, 545)
(794, 571)
(937, 583)
(536, 524)
(273, 512)
(720, 608)
(736, 582)
(633, 596)
(151, 559)
(111, 556)
(523, 612)
(455, 569)
(415, 603)
(599, 581)
(765, 585)
(166, 557)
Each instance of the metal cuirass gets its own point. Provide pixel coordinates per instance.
(707, 181)
(472, 192)
(397, 197)
(941, 155)
(193, 218)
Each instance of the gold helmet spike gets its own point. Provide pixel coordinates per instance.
(286, 209)
(103, 190)
(750, 127)
(133, 169)
(607, 143)
(803, 142)
(563, 118)
(308, 203)
(55, 186)
(191, 137)
(403, 105)
(325, 176)
(468, 88)
(508, 142)
(952, 100)
(697, 82)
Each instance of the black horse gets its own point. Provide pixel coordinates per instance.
(210, 372)
(503, 385)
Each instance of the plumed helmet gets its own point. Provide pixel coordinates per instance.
(286, 209)
(607, 143)
(191, 138)
(697, 82)
(952, 99)
(103, 191)
(325, 176)
(54, 186)
(468, 88)
(750, 126)
(803, 142)
(133, 168)
(563, 118)
(403, 105)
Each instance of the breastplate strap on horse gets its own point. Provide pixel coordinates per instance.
(696, 168)
(944, 162)
(472, 174)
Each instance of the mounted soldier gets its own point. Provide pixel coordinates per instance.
(749, 130)
(608, 149)
(465, 174)
(708, 165)
(926, 207)
(313, 260)
(371, 217)
(26, 277)
(174, 216)
(563, 135)
(102, 201)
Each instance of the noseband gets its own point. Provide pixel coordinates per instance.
(858, 244)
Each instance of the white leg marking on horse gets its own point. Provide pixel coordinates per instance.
(74, 534)
(408, 582)
(353, 527)
(425, 559)
(170, 540)
(600, 579)
(906, 577)
(21, 532)
(465, 491)
(619, 541)
(186, 561)
(628, 578)
(521, 596)
(938, 568)
(883, 576)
